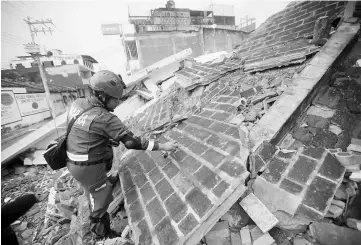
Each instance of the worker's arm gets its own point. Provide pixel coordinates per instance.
(117, 131)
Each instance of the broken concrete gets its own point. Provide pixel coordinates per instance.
(330, 234)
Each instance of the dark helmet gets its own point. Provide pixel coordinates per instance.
(107, 82)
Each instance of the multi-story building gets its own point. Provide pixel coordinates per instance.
(167, 31)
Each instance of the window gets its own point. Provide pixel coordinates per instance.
(131, 50)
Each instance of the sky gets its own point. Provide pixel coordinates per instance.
(78, 24)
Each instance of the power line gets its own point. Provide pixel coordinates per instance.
(13, 37)
(14, 6)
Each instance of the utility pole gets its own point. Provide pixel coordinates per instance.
(33, 29)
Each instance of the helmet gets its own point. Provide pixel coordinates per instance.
(107, 82)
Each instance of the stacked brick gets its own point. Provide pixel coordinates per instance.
(169, 199)
(284, 32)
(206, 70)
(311, 174)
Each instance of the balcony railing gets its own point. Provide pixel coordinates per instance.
(170, 20)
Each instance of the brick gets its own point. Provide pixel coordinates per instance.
(184, 140)
(258, 163)
(232, 168)
(275, 169)
(145, 236)
(295, 24)
(220, 189)
(213, 157)
(161, 161)
(302, 169)
(287, 155)
(155, 175)
(207, 177)
(198, 201)
(127, 180)
(218, 127)
(232, 147)
(164, 189)
(199, 121)
(206, 113)
(319, 193)
(317, 121)
(198, 148)
(313, 152)
(190, 164)
(171, 170)
(166, 233)
(266, 151)
(306, 212)
(147, 193)
(221, 116)
(226, 107)
(291, 186)
(131, 195)
(331, 168)
(135, 168)
(233, 132)
(216, 141)
(140, 179)
(136, 212)
(179, 155)
(224, 99)
(155, 155)
(198, 133)
(155, 211)
(181, 125)
(182, 183)
(188, 224)
(176, 207)
(145, 161)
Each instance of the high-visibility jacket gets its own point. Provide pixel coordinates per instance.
(91, 132)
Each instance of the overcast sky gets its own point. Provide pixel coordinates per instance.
(78, 24)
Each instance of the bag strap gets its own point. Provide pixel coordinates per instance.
(71, 123)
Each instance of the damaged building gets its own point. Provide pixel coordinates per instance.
(269, 142)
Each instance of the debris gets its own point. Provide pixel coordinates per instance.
(236, 238)
(341, 192)
(16, 222)
(251, 116)
(330, 234)
(322, 111)
(23, 226)
(335, 211)
(28, 161)
(245, 236)
(280, 236)
(338, 203)
(264, 96)
(250, 92)
(335, 129)
(237, 217)
(355, 145)
(358, 62)
(8, 199)
(356, 176)
(265, 239)
(255, 232)
(258, 212)
(348, 158)
(354, 223)
(322, 29)
(218, 234)
(353, 168)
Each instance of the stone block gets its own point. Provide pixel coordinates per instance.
(233, 168)
(198, 148)
(147, 193)
(317, 121)
(164, 189)
(274, 198)
(245, 236)
(291, 187)
(265, 239)
(179, 155)
(131, 195)
(331, 168)
(220, 189)
(321, 111)
(188, 224)
(218, 127)
(258, 212)
(176, 208)
(303, 135)
(302, 169)
(348, 158)
(221, 116)
(155, 175)
(136, 212)
(319, 193)
(354, 223)
(166, 233)
(199, 202)
(145, 236)
(275, 170)
(190, 164)
(145, 161)
(213, 157)
(316, 153)
(182, 183)
(334, 211)
(341, 192)
(155, 211)
(140, 179)
(171, 170)
(330, 234)
(356, 176)
(235, 238)
(207, 177)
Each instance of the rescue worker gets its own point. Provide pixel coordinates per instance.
(88, 144)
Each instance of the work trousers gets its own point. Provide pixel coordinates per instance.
(94, 180)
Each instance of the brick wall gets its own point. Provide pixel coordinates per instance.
(169, 199)
(284, 32)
